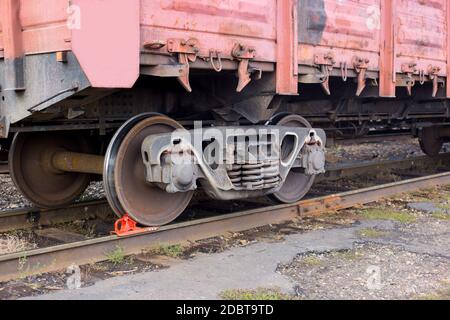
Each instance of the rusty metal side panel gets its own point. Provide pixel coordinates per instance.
(347, 28)
(387, 68)
(420, 29)
(217, 25)
(287, 47)
(12, 29)
(44, 25)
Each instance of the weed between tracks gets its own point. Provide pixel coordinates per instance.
(387, 214)
(443, 294)
(260, 294)
(371, 233)
(117, 256)
(13, 243)
(312, 261)
(173, 251)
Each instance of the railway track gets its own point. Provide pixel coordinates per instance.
(58, 257)
(26, 218)
(397, 137)
(335, 172)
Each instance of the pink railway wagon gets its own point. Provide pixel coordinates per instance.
(163, 98)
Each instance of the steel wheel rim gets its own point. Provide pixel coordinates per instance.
(110, 159)
(41, 185)
(145, 203)
(297, 184)
(430, 143)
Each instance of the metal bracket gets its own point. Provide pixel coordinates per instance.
(155, 44)
(187, 52)
(409, 69)
(421, 77)
(165, 70)
(219, 66)
(361, 65)
(243, 54)
(325, 63)
(433, 72)
(344, 71)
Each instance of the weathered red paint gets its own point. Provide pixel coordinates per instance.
(218, 25)
(344, 28)
(287, 47)
(113, 33)
(387, 72)
(421, 29)
(11, 29)
(44, 24)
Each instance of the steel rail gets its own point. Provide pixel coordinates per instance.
(348, 170)
(377, 138)
(59, 257)
(26, 218)
(4, 168)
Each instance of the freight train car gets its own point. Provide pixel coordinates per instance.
(163, 98)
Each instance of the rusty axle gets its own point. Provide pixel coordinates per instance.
(77, 162)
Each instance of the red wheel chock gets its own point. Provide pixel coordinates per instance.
(126, 226)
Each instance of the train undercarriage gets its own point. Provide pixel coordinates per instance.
(152, 164)
(156, 144)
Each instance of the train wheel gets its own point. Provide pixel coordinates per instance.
(31, 169)
(297, 183)
(124, 175)
(430, 141)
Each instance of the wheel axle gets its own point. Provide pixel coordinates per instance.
(77, 162)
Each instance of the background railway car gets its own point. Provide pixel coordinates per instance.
(101, 88)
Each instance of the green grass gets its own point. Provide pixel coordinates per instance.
(424, 193)
(22, 262)
(350, 255)
(440, 295)
(441, 215)
(371, 233)
(421, 199)
(311, 261)
(387, 214)
(87, 231)
(174, 251)
(117, 256)
(261, 294)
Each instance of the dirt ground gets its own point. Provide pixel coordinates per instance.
(387, 150)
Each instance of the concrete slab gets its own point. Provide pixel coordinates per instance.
(427, 207)
(206, 276)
